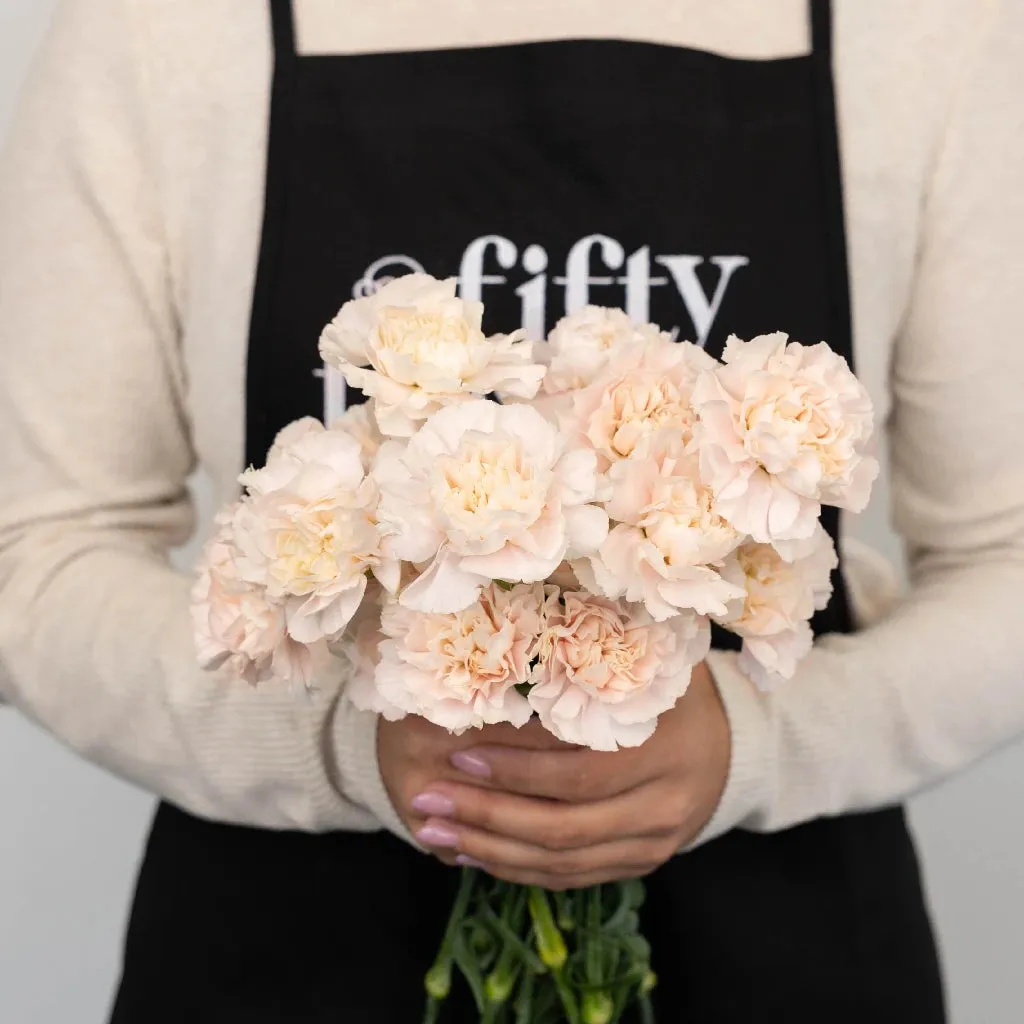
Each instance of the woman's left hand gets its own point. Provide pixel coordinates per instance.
(566, 819)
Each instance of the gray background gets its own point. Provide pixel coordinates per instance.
(71, 836)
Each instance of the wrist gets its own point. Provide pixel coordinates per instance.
(358, 776)
(749, 782)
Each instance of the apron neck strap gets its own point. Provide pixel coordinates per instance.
(830, 161)
(821, 30)
(283, 21)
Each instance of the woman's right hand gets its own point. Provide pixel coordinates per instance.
(414, 754)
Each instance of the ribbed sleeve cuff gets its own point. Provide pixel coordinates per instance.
(358, 772)
(749, 786)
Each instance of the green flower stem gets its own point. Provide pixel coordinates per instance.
(433, 1010)
(524, 999)
(511, 939)
(500, 982)
(438, 980)
(563, 910)
(565, 994)
(631, 896)
(598, 1007)
(498, 985)
(469, 965)
(550, 941)
(646, 1010)
(593, 940)
(644, 997)
(552, 949)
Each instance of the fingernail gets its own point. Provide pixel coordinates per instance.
(433, 804)
(437, 835)
(471, 764)
(468, 862)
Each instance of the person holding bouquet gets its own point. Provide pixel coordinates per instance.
(193, 190)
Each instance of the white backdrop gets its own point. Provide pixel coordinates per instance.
(70, 835)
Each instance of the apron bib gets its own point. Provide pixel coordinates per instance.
(694, 190)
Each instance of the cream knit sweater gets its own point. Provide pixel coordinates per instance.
(129, 228)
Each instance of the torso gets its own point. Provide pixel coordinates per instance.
(695, 189)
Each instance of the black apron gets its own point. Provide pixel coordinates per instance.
(699, 191)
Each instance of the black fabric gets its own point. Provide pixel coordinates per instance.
(687, 172)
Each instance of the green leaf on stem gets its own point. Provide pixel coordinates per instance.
(504, 932)
(467, 964)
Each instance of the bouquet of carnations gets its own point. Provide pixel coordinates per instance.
(509, 530)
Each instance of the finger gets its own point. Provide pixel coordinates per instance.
(531, 736)
(576, 775)
(561, 883)
(622, 855)
(552, 825)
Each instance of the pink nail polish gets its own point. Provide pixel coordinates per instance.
(468, 862)
(471, 764)
(437, 835)
(434, 805)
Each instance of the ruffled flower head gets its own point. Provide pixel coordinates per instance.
(485, 492)
(607, 670)
(414, 348)
(783, 429)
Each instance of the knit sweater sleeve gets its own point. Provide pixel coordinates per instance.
(95, 641)
(939, 682)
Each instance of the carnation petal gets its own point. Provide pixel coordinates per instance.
(311, 621)
(587, 528)
(578, 476)
(783, 512)
(702, 590)
(388, 573)
(513, 564)
(443, 587)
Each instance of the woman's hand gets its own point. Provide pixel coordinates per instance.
(415, 757)
(566, 817)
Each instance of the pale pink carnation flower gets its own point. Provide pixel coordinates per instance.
(359, 647)
(608, 670)
(414, 348)
(359, 422)
(564, 578)
(459, 670)
(645, 388)
(308, 532)
(485, 492)
(784, 428)
(780, 597)
(669, 536)
(236, 628)
(581, 344)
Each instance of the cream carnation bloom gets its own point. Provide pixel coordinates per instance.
(645, 388)
(669, 535)
(308, 531)
(607, 670)
(235, 626)
(582, 343)
(414, 347)
(780, 597)
(485, 492)
(359, 422)
(458, 670)
(783, 429)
